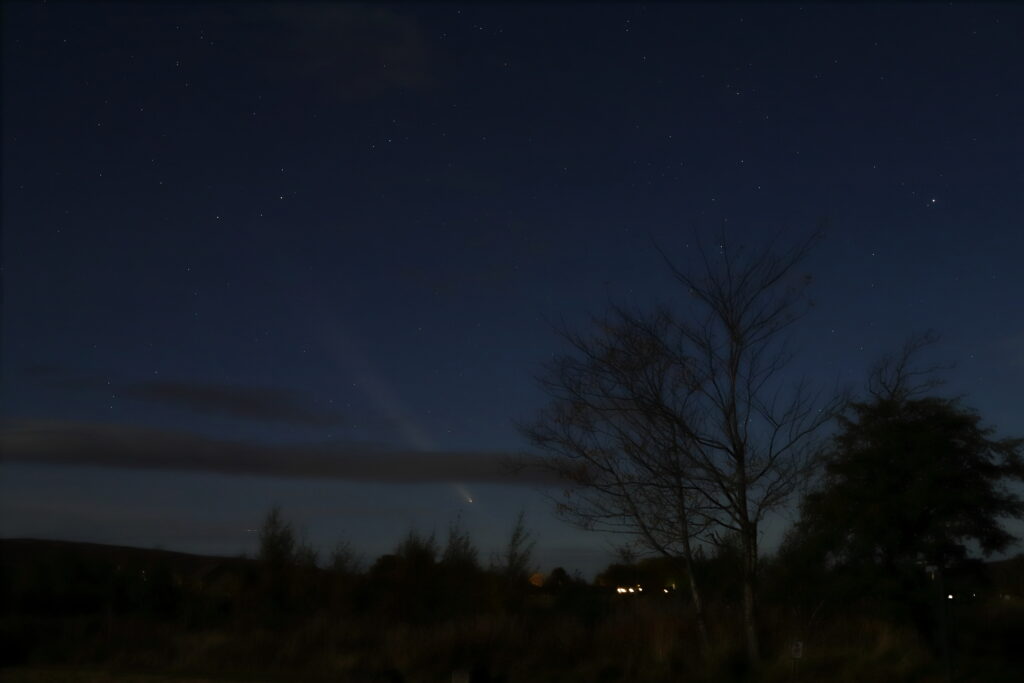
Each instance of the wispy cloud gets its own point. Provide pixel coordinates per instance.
(124, 446)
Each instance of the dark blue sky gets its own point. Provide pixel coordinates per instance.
(269, 236)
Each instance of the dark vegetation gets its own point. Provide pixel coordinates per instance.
(682, 427)
(430, 610)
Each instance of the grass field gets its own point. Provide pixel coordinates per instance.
(63, 675)
(20, 675)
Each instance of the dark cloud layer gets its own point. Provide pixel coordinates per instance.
(231, 400)
(111, 445)
(254, 403)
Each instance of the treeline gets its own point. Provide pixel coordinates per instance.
(434, 607)
(422, 579)
(429, 608)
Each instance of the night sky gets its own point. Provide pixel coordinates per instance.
(313, 255)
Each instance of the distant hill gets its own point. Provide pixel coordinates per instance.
(13, 550)
(21, 556)
(66, 577)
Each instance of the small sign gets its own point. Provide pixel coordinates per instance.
(797, 651)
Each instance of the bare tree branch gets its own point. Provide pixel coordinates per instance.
(896, 377)
(677, 425)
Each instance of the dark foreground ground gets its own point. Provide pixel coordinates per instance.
(84, 613)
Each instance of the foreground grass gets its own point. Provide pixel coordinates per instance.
(629, 642)
(61, 675)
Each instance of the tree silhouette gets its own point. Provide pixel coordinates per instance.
(611, 432)
(460, 553)
(672, 424)
(277, 556)
(515, 562)
(912, 481)
(277, 540)
(345, 560)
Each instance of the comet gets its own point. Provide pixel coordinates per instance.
(463, 493)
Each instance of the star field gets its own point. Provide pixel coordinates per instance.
(336, 224)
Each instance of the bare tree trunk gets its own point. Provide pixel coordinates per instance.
(750, 594)
(698, 604)
(702, 623)
(698, 393)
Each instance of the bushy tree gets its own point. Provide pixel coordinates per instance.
(417, 553)
(912, 482)
(405, 584)
(513, 565)
(515, 561)
(277, 555)
(460, 553)
(277, 540)
(915, 486)
(344, 560)
(462, 581)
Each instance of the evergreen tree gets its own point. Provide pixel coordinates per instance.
(911, 484)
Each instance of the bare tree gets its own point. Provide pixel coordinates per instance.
(611, 433)
(515, 561)
(899, 377)
(278, 543)
(680, 425)
(460, 552)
